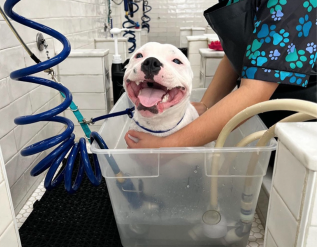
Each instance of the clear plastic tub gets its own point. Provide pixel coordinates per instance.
(162, 197)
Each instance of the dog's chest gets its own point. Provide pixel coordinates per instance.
(159, 130)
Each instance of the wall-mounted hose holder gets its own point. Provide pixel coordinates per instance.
(41, 43)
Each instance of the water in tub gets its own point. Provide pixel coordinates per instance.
(175, 190)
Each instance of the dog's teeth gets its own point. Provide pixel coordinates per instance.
(165, 98)
(137, 83)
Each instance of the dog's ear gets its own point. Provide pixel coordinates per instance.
(126, 62)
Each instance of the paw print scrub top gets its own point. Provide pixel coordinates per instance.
(283, 45)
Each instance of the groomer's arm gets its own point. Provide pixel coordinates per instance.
(222, 84)
(207, 127)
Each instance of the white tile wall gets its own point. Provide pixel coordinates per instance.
(5, 212)
(9, 235)
(88, 101)
(81, 21)
(285, 229)
(76, 66)
(312, 239)
(89, 84)
(314, 212)
(168, 16)
(290, 176)
(270, 241)
(8, 145)
(4, 93)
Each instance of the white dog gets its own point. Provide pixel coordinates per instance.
(158, 80)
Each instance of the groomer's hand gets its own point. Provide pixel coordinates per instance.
(144, 140)
(200, 108)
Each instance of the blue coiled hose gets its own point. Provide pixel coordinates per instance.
(145, 18)
(129, 23)
(65, 140)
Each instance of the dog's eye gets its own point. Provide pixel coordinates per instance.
(177, 61)
(139, 55)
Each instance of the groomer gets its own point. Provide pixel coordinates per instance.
(271, 45)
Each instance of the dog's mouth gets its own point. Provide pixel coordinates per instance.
(153, 97)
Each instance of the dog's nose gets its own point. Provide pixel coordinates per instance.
(151, 66)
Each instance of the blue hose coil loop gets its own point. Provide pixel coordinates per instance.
(145, 18)
(128, 111)
(129, 23)
(66, 138)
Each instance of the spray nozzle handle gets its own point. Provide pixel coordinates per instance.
(118, 30)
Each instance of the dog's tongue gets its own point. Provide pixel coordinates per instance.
(150, 96)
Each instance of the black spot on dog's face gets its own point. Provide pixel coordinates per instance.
(152, 109)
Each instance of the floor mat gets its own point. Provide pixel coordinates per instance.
(83, 219)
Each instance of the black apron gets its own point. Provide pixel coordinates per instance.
(234, 25)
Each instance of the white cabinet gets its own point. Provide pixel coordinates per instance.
(194, 44)
(189, 31)
(291, 219)
(209, 62)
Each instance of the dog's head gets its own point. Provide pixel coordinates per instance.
(158, 77)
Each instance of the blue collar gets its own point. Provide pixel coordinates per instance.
(158, 131)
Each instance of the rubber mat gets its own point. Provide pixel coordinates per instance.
(83, 219)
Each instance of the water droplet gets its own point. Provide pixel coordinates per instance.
(195, 171)
(187, 186)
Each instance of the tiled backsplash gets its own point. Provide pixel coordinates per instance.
(167, 16)
(81, 21)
